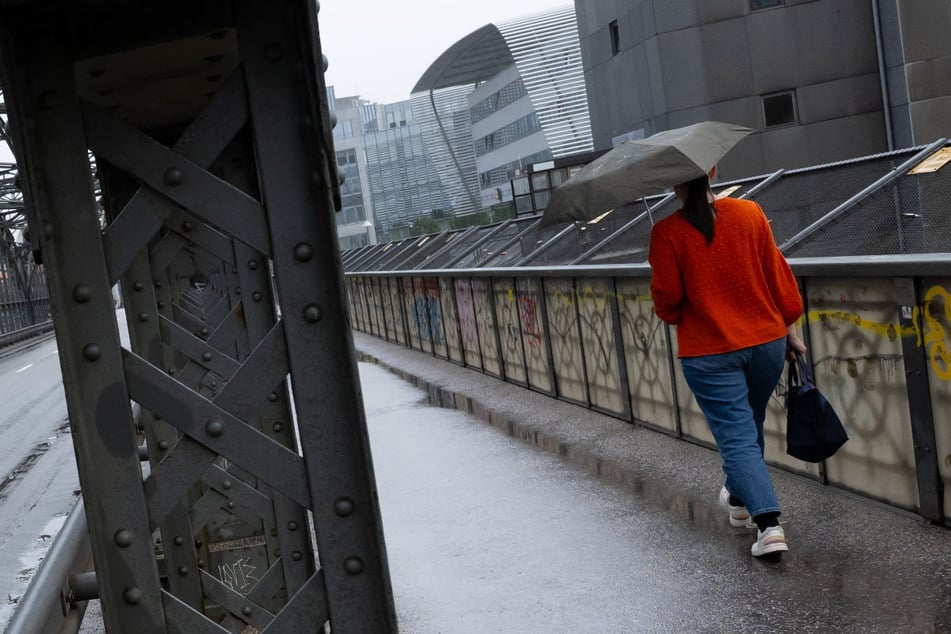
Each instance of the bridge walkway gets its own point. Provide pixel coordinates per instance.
(854, 565)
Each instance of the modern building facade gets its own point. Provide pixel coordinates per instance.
(500, 99)
(355, 227)
(823, 80)
(403, 182)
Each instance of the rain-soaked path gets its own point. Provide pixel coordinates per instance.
(488, 534)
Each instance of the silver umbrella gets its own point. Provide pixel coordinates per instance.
(640, 168)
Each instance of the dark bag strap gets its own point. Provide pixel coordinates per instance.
(799, 373)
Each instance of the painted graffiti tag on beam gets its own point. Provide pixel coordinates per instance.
(935, 336)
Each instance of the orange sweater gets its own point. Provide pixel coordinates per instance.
(734, 293)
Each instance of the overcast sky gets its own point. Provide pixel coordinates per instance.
(379, 49)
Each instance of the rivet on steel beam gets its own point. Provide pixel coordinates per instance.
(341, 176)
(253, 264)
(272, 397)
(179, 540)
(163, 444)
(158, 283)
(308, 123)
(206, 356)
(230, 504)
(171, 371)
(343, 507)
(206, 331)
(201, 563)
(173, 176)
(277, 552)
(82, 293)
(246, 610)
(257, 296)
(296, 555)
(333, 120)
(353, 565)
(91, 352)
(198, 543)
(214, 428)
(123, 538)
(143, 317)
(187, 226)
(316, 178)
(138, 286)
(273, 532)
(292, 525)
(324, 63)
(226, 484)
(277, 427)
(273, 52)
(237, 290)
(313, 313)
(47, 230)
(303, 252)
(132, 595)
(161, 304)
(183, 571)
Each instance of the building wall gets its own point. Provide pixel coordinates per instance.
(352, 229)
(403, 181)
(497, 167)
(683, 61)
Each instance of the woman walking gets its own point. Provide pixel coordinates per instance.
(719, 277)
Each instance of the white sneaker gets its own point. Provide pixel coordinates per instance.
(772, 540)
(739, 516)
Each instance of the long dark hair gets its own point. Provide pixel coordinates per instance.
(697, 209)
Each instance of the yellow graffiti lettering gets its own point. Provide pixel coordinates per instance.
(883, 330)
(935, 339)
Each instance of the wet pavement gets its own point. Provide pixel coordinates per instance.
(595, 525)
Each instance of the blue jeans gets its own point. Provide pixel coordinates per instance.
(733, 390)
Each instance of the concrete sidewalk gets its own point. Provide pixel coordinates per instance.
(854, 565)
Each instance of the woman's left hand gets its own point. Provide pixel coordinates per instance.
(794, 345)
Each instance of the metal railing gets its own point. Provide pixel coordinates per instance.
(878, 330)
(56, 598)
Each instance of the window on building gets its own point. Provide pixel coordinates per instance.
(765, 4)
(615, 38)
(779, 108)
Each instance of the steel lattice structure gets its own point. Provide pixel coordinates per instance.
(211, 140)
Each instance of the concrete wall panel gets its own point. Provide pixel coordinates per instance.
(534, 336)
(596, 311)
(565, 340)
(468, 326)
(450, 320)
(859, 367)
(510, 331)
(647, 356)
(485, 322)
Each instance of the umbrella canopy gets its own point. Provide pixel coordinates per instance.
(635, 169)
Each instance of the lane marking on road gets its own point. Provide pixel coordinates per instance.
(26, 367)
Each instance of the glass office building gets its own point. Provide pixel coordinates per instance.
(402, 178)
(501, 99)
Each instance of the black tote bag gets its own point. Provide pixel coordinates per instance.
(813, 429)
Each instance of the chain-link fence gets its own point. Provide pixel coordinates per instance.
(874, 205)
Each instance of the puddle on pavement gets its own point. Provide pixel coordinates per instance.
(31, 459)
